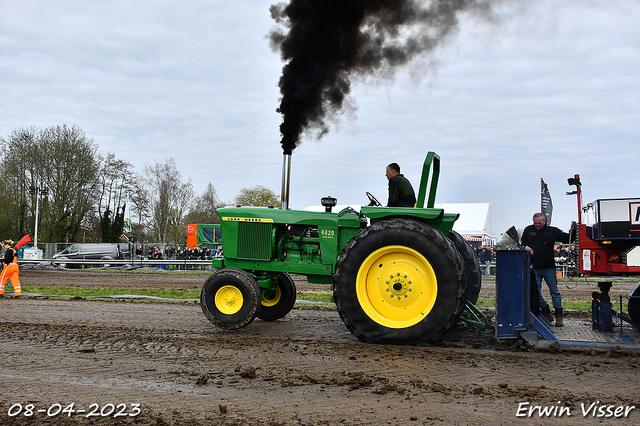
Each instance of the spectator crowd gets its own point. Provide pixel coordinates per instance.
(487, 255)
(179, 253)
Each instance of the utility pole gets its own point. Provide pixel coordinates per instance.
(36, 191)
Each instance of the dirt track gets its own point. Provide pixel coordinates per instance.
(305, 369)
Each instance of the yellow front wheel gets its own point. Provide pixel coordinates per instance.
(230, 298)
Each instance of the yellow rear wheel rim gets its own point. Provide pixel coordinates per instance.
(229, 299)
(272, 302)
(396, 286)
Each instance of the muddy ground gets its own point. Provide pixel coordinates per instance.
(306, 369)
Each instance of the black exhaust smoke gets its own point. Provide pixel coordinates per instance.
(327, 43)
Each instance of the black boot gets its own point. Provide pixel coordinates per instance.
(559, 319)
(546, 313)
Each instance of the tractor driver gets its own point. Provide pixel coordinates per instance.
(401, 192)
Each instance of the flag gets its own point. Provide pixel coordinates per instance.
(127, 217)
(546, 206)
(24, 240)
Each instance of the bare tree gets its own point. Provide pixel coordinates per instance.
(140, 199)
(171, 199)
(115, 182)
(205, 207)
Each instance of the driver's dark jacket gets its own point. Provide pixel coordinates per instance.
(542, 242)
(401, 192)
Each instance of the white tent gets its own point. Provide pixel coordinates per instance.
(475, 222)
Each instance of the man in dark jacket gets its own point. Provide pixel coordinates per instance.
(401, 192)
(539, 240)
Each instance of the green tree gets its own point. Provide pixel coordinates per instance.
(258, 196)
(71, 175)
(111, 229)
(20, 159)
(60, 158)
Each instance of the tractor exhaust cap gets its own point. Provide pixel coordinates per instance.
(328, 203)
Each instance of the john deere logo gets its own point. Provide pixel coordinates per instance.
(247, 219)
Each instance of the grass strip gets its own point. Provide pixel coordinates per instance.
(575, 305)
(98, 292)
(315, 296)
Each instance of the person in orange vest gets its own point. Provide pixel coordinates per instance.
(10, 270)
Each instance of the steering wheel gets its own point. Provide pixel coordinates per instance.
(372, 200)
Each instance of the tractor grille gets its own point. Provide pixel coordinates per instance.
(254, 241)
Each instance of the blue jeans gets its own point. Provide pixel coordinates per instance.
(549, 275)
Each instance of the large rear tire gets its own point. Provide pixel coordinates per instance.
(471, 264)
(276, 305)
(399, 282)
(230, 298)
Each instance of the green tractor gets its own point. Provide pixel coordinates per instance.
(399, 275)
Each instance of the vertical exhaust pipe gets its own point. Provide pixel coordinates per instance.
(286, 181)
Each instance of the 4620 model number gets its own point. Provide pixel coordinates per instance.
(94, 410)
(327, 233)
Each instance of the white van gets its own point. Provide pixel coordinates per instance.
(93, 251)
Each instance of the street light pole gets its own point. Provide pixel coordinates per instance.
(35, 233)
(34, 190)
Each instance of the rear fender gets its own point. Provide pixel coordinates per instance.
(436, 218)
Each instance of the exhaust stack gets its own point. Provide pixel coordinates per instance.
(286, 181)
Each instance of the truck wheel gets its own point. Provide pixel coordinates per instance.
(471, 264)
(399, 282)
(106, 265)
(230, 298)
(276, 305)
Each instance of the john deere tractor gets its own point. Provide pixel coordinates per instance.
(399, 275)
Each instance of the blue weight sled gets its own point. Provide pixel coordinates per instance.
(514, 317)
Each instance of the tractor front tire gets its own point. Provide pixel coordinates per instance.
(399, 282)
(276, 307)
(230, 298)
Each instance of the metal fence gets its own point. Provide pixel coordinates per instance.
(49, 249)
(160, 264)
(563, 269)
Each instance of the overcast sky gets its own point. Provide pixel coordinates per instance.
(551, 89)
